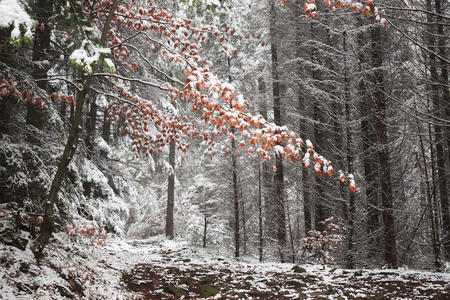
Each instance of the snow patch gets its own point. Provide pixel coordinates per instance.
(14, 13)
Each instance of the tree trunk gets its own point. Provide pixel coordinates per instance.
(244, 232)
(390, 242)
(263, 174)
(48, 224)
(171, 194)
(41, 44)
(302, 110)
(441, 102)
(237, 235)
(6, 49)
(260, 215)
(71, 112)
(106, 132)
(291, 236)
(278, 196)
(306, 202)
(204, 231)
(434, 207)
(352, 196)
(6, 107)
(369, 157)
(321, 212)
(91, 121)
(370, 170)
(7, 104)
(235, 198)
(433, 217)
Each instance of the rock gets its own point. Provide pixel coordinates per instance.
(295, 283)
(24, 267)
(259, 294)
(10, 237)
(187, 280)
(298, 269)
(208, 291)
(177, 292)
(209, 279)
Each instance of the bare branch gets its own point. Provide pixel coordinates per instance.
(130, 80)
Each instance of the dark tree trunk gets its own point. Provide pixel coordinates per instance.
(443, 105)
(291, 236)
(91, 122)
(8, 103)
(205, 224)
(306, 202)
(302, 127)
(430, 206)
(434, 204)
(278, 196)
(390, 242)
(6, 107)
(260, 215)
(352, 196)
(370, 170)
(171, 195)
(237, 234)
(48, 225)
(321, 211)
(237, 237)
(6, 49)
(244, 229)
(263, 175)
(41, 46)
(369, 156)
(106, 132)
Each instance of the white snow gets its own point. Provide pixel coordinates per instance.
(100, 270)
(14, 13)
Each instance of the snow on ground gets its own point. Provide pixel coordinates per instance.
(162, 269)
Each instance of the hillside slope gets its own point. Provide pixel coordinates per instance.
(161, 269)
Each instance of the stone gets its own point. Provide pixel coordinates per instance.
(177, 292)
(208, 291)
(298, 269)
(11, 238)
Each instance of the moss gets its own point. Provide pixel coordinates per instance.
(24, 267)
(11, 238)
(208, 291)
(298, 269)
(177, 292)
(376, 297)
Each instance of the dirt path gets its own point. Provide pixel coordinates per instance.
(175, 276)
(160, 269)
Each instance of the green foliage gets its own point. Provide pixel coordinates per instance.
(89, 55)
(21, 40)
(209, 6)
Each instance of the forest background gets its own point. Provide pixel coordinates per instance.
(235, 124)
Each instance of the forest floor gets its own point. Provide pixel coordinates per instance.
(158, 269)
